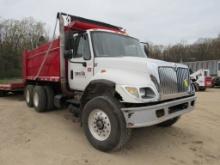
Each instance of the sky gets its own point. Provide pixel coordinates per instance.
(158, 21)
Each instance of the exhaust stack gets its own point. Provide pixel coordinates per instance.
(63, 79)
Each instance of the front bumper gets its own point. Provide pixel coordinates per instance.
(155, 114)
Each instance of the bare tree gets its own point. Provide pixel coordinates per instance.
(15, 37)
(202, 49)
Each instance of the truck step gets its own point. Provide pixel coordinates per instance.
(73, 102)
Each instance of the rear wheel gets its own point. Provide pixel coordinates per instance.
(28, 93)
(104, 124)
(39, 99)
(50, 97)
(169, 123)
(2, 93)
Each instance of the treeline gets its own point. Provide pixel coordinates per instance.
(15, 37)
(203, 49)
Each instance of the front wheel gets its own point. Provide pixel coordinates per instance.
(104, 123)
(196, 86)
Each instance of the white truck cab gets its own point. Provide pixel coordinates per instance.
(119, 58)
(150, 91)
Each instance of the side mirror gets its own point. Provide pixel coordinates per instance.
(68, 54)
(146, 48)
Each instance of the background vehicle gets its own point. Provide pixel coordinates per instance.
(11, 86)
(216, 82)
(201, 79)
(105, 77)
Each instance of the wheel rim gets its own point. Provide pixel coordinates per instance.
(28, 96)
(99, 124)
(36, 99)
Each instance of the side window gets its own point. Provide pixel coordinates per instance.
(83, 48)
(219, 66)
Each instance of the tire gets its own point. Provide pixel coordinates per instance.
(2, 93)
(39, 99)
(112, 137)
(196, 86)
(202, 88)
(169, 123)
(50, 97)
(28, 94)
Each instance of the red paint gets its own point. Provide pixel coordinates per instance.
(103, 71)
(34, 58)
(208, 81)
(82, 26)
(11, 86)
(89, 69)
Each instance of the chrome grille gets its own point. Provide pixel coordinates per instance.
(172, 80)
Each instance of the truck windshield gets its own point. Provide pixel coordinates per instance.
(106, 44)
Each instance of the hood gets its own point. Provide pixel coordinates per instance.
(123, 70)
(130, 70)
(164, 63)
(134, 64)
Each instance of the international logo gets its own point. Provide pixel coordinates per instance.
(186, 83)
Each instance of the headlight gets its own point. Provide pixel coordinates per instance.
(133, 91)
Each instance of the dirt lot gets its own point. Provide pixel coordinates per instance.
(31, 138)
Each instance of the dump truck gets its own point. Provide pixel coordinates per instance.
(104, 76)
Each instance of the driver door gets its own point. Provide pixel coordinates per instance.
(80, 66)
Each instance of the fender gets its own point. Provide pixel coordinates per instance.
(97, 87)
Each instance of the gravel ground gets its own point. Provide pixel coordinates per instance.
(53, 138)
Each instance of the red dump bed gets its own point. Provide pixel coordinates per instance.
(37, 66)
(43, 66)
